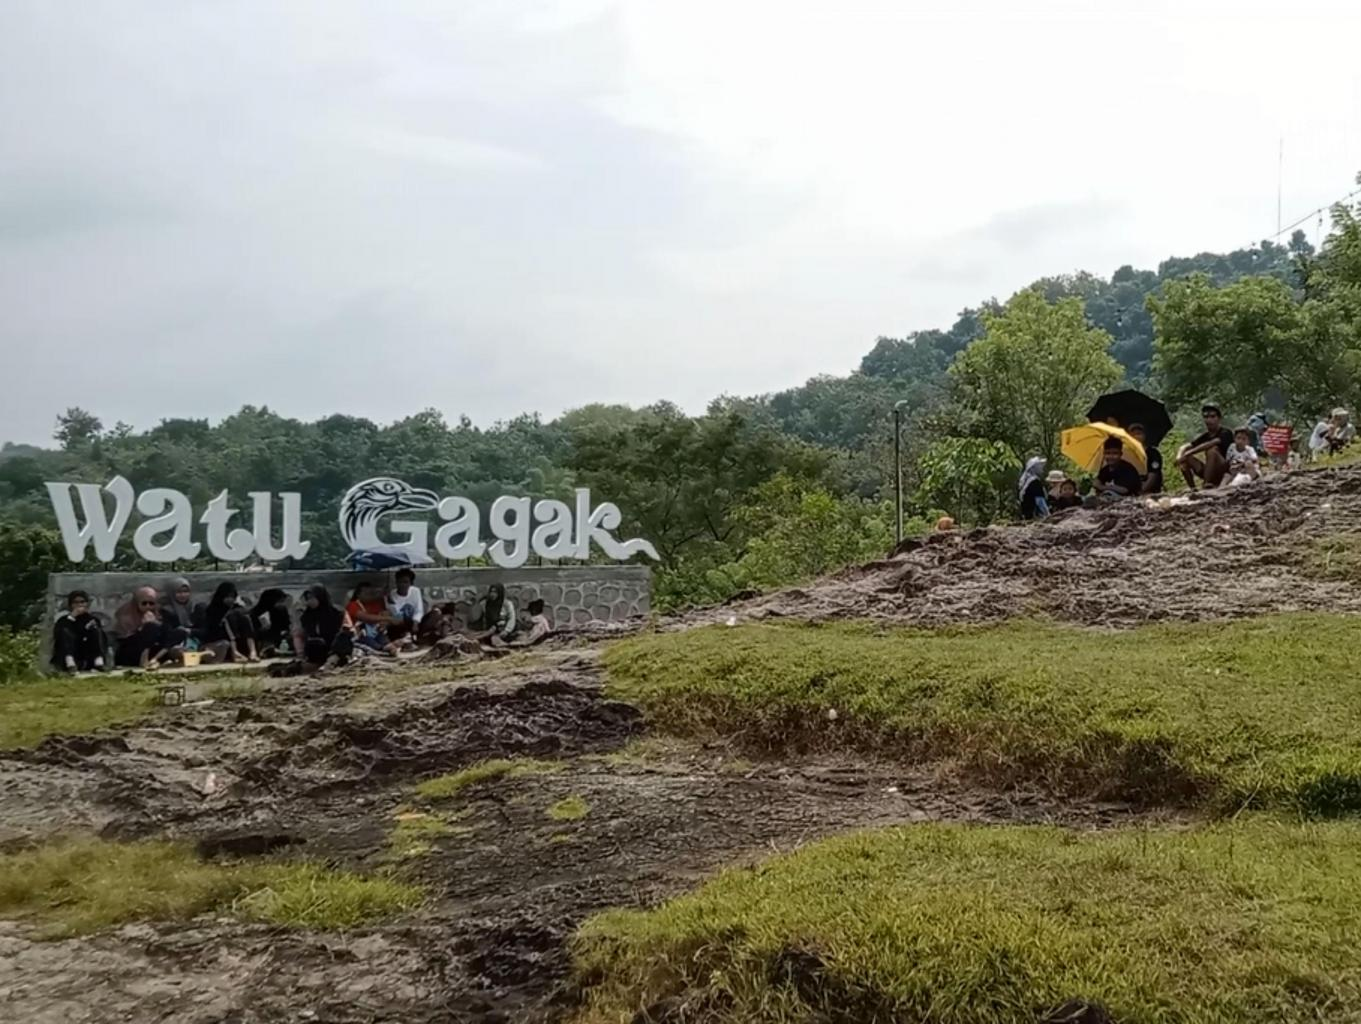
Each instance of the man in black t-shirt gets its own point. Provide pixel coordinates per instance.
(1206, 457)
(1153, 459)
(1117, 479)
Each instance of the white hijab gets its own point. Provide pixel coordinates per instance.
(1034, 470)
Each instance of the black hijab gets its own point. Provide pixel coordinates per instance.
(224, 600)
(325, 619)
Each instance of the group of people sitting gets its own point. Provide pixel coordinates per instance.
(150, 631)
(1216, 456)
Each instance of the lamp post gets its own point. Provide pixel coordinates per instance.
(898, 473)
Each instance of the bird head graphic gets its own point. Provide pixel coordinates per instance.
(366, 503)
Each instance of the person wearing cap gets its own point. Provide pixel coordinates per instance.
(1207, 457)
(1341, 431)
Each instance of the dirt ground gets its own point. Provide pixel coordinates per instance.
(301, 770)
(1225, 554)
(323, 767)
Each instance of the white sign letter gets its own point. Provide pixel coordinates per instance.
(97, 528)
(554, 538)
(236, 546)
(167, 511)
(291, 544)
(596, 526)
(515, 531)
(465, 524)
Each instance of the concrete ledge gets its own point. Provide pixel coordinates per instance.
(573, 596)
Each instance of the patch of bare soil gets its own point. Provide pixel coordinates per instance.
(298, 770)
(1227, 554)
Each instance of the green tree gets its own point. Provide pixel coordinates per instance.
(28, 554)
(1229, 343)
(77, 428)
(1036, 370)
(971, 478)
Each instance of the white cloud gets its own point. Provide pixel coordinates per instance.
(507, 206)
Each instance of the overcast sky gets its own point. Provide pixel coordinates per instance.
(501, 206)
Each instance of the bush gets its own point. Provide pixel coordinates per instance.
(18, 654)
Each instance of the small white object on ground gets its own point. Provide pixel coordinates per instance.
(831, 714)
(732, 620)
(210, 784)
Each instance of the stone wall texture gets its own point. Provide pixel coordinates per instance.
(573, 596)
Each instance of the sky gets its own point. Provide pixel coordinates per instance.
(490, 207)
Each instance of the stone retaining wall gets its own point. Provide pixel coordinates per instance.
(573, 596)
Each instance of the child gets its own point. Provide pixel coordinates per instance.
(1068, 496)
(1242, 457)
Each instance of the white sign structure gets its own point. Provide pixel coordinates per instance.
(519, 526)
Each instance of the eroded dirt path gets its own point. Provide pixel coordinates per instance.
(302, 771)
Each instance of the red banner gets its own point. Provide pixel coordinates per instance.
(1276, 440)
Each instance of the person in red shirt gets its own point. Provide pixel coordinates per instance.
(372, 620)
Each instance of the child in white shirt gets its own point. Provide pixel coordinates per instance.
(1242, 457)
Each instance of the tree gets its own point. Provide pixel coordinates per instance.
(77, 428)
(1230, 343)
(969, 477)
(1036, 370)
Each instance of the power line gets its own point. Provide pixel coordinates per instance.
(1320, 211)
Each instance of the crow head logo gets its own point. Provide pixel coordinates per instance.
(366, 503)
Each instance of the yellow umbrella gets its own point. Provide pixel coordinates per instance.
(1084, 445)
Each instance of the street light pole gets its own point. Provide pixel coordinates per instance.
(898, 473)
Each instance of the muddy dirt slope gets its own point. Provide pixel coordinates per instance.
(1240, 552)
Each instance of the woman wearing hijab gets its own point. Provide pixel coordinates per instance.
(140, 635)
(495, 615)
(1031, 489)
(227, 627)
(272, 624)
(177, 614)
(324, 634)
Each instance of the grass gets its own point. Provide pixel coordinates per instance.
(32, 710)
(443, 787)
(1336, 557)
(1244, 922)
(571, 808)
(81, 886)
(1264, 712)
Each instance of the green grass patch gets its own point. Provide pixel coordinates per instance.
(1337, 557)
(1263, 712)
(442, 787)
(571, 808)
(82, 886)
(31, 710)
(1245, 922)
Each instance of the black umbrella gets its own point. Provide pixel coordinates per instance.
(1130, 406)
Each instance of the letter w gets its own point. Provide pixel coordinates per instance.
(97, 528)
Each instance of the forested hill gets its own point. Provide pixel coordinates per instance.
(763, 490)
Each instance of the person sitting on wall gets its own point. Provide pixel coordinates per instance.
(78, 641)
(226, 627)
(141, 637)
(494, 615)
(1206, 457)
(325, 635)
(373, 623)
(1243, 459)
(272, 624)
(440, 621)
(1153, 459)
(407, 605)
(539, 626)
(178, 613)
(1117, 478)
